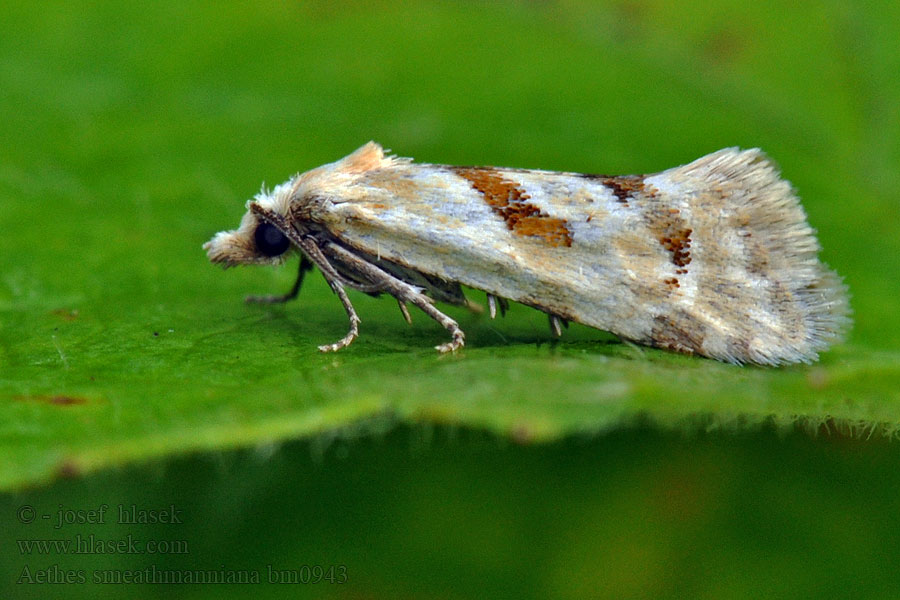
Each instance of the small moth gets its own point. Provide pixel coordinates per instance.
(714, 257)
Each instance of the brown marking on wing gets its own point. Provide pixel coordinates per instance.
(683, 333)
(673, 234)
(679, 244)
(554, 231)
(508, 200)
(671, 282)
(623, 187)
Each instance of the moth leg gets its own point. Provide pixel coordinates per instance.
(313, 254)
(494, 302)
(400, 290)
(351, 313)
(337, 283)
(459, 338)
(305, 265)
(310, 249)
(379, 281)
(555, 325)
(405, 311)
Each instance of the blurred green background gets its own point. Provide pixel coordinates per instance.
(132, 374)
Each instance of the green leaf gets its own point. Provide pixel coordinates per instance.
(129, 139)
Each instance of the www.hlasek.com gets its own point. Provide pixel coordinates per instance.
(91, 544)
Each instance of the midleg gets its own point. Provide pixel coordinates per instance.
(401, 290)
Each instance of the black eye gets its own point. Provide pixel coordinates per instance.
(269, 240)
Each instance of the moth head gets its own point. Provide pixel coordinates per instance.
(255, 241)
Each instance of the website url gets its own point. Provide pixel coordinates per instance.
(90, 544)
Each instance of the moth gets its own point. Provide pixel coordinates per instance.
(714, 258)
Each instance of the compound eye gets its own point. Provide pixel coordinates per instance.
(269, 240)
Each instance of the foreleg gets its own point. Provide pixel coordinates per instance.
(305, 265)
